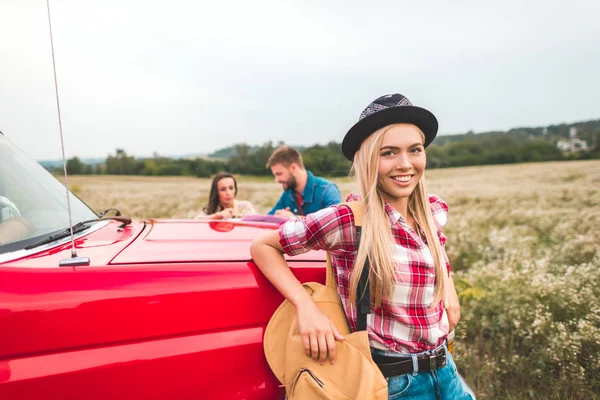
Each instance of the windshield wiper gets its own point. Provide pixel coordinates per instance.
(81, 226)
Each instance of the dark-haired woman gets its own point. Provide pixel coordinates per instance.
(221, 201)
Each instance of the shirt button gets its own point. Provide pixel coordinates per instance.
(432, 275)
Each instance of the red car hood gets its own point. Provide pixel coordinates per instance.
(195, 241)
(162, 241)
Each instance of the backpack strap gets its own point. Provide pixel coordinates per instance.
(363, 292)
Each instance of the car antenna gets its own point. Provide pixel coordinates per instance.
(74, 261)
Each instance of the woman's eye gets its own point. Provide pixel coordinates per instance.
(387, 153)
(416, 150)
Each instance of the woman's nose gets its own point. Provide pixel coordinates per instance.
(403, 162)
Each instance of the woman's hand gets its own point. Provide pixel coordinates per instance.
(451, 304)
(316, 329)
(225, 214)
(318, 332)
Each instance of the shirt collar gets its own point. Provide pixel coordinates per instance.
(393, 215)
(309, 189)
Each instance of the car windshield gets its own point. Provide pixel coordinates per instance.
(33, 203)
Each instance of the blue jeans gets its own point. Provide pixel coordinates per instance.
(443, 384)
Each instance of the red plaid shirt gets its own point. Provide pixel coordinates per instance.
(405, 322)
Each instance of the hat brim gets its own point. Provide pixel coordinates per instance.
(422, 118)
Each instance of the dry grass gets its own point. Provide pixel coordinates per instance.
(462, 188)
(170, 197)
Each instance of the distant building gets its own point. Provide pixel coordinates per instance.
(572, 145)
(573, 133)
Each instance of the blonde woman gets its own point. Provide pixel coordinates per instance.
(413, 301)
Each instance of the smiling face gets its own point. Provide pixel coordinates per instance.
(226, 190)
(401, 163)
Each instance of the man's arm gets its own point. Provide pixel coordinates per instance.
(277, 206)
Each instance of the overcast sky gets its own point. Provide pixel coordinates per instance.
(180, 77)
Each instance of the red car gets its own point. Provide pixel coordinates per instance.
(165, 309)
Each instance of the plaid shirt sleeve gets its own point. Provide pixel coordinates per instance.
(439, 209)
(331, 229)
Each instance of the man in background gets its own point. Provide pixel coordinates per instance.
(303, 193)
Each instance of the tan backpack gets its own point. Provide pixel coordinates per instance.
(354, 374)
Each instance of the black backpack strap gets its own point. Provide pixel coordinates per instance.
(363, 302)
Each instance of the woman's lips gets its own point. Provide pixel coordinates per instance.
(402, 180)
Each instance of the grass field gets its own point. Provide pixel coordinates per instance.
(524, 244)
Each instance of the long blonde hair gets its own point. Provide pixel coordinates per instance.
(376, 242)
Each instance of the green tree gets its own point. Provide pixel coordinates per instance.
(436, 157)
(241, 160)
(76, 167)
(540, 150)
(122, 164)
(326, 160)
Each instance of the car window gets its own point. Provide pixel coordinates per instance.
(33, 202)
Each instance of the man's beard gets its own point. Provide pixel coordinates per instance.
(291, 183)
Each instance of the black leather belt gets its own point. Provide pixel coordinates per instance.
(392, 366)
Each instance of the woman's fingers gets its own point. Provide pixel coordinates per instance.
(331, 347)
(322, 347)
(314, 347)
(225, 214)
(336, 334)
(306, 341)
(318, 334)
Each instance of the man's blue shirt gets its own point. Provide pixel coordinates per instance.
(318, 194)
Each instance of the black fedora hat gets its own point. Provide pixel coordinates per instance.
(387, 110)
